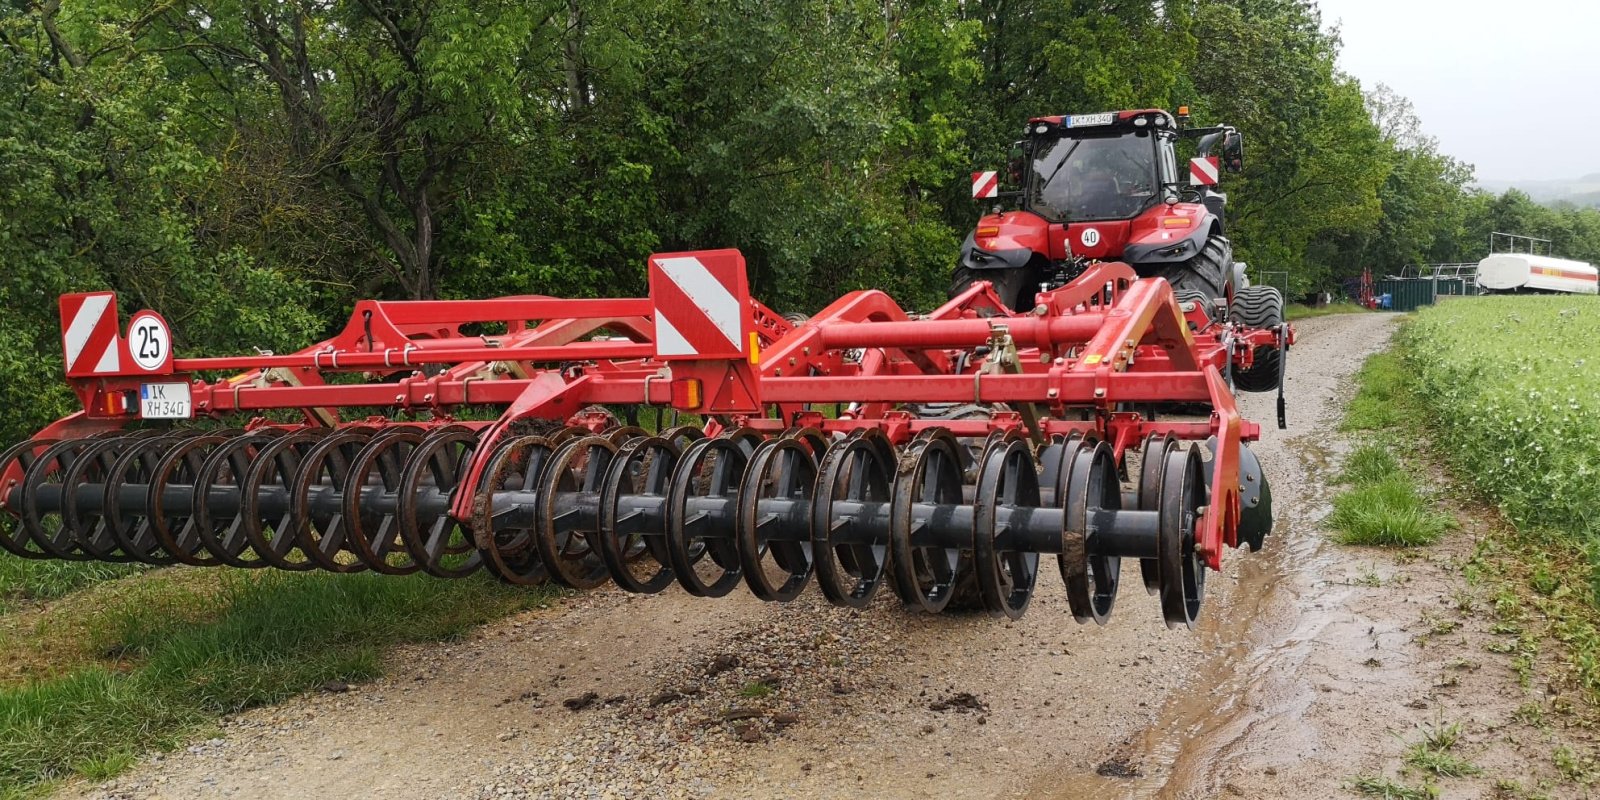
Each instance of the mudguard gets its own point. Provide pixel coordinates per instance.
(974, 257)
(1160, 246)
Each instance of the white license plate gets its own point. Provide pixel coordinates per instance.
(165, 401)
(1087, 120)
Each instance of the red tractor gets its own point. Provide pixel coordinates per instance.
(1106, 187)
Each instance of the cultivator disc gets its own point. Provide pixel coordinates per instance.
(765, 492)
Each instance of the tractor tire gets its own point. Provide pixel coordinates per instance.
(1012, 285)
(1259, 307)
(1209, 273)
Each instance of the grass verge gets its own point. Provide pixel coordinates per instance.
(1382, 506)
(170, 661)
(25, 580)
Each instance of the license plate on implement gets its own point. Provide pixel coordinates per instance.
(165, 401)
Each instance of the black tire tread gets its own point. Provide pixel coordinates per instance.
(1259, 307)
(1010, 284)
(1206, 273)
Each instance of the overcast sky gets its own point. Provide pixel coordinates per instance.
(1512, 87)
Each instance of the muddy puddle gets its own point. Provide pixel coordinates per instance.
(1278, 635)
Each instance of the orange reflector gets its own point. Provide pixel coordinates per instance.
(755, 349)
(1183, 111)
(1177, 222)
(686, 393)
(989, 230)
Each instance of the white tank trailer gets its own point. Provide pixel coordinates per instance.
(1522, 272)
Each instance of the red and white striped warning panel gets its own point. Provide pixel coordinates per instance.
(1204, 171)
(89, 334)
(985, 184)
(702, 304)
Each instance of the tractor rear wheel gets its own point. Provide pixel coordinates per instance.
(1208, 273)
(1013, 285)
(1259, 307)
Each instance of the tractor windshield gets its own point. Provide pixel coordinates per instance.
(1109, 177)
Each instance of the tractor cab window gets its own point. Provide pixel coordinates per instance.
(1110, 177)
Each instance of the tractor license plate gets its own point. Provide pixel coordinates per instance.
(1088, 120)
(165, 401)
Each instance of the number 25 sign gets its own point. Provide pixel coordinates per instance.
(149, 341)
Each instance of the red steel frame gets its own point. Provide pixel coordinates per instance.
(1106, 342)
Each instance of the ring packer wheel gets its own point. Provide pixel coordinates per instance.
(709, 468)
(271, 531)
(1181, 569)
(1088, 483)
(642, 467)
(509, 552)
(1006, 479)
(569, 555)
(321, 534)
(438, 543)
(175, 529)
(779, 468)
(371, 502)
(929, 470)
(858, 468)
(1152, 465)
(227, 465)
(91, 535)
(131, 528)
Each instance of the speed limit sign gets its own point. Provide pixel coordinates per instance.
(149, 341)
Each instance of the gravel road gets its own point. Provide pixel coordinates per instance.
(607, 695)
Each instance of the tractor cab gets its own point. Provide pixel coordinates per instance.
(1086, 188)
(1099, 169)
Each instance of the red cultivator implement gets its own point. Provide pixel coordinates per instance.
(940, 454)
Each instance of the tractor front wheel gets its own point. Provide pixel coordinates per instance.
(1207, 273)
(1259, 307)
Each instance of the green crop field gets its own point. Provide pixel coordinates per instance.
(1513, 386)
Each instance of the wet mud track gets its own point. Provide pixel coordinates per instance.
(610, 696)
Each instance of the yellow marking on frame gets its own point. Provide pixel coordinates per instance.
(755, 349)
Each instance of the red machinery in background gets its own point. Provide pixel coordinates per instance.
(940, 454)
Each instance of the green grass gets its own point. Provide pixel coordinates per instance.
(1369, 463)
(1382, 401)
(173, 664)
(1382, 507)
(1435, 753)
(756, 690)
(1379, 786)
(1389, 513)
(23, 580)
(1295, 311)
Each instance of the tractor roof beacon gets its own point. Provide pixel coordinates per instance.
(1107, 187)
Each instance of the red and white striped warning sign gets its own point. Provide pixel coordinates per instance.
(701, 304)
(89, 333)
(1204, 171)
(985, 184)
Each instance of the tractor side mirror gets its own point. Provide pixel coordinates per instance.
(1233, 152)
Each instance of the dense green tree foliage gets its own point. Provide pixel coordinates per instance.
(251, 167)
